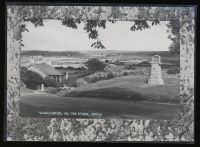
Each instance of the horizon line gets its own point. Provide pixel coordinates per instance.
(98, 50)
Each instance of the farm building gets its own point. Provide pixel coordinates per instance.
(47, 71)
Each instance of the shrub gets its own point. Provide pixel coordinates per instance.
(95, 65)
(145, 62)
(31, 79)
(74, 85)
(125, 74)
(96, 79)
(106, 61)
(110, 76)
(130, 67)
(173, 71)
(71, 82)
(60, 68)
(50, 83)
(80, 68)
(70, 68)
(86, 73)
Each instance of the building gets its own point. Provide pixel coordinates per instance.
(47, 71)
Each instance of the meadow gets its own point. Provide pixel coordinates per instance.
(128, 88)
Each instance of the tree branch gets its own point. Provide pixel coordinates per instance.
(16, 24)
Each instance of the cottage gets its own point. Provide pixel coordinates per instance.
(47, 71)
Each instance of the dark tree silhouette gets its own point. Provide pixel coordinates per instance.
(174, 35)
(95, 65)
(31, 79)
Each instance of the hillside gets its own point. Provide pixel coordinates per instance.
(128, 88)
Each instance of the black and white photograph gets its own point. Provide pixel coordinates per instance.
(100, 72)
(100, 69)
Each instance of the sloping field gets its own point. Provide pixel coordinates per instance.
(24, 91)
(128, 88)
(33, 105)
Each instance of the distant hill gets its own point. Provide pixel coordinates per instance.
(126, 52)
(149, 53)
(93, 52)
(50, 53)
(146, 53)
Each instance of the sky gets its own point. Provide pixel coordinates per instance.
(54, 36)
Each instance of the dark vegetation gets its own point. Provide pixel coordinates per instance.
(125, 74)
(95, 65)
(121, 94)
(110, 76)
(70, 68)
(173, 71)
(31, 80)
(106, 61)
(96, 79)
(131, 67)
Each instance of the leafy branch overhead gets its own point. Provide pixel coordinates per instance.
(36, 15)
(90, 26)
(143, 24)
(174, 36)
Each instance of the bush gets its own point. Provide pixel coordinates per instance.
(110, 76)
(86, 73)
(60, 68)
(173, 71)
(96, 79)
(74, 85)
(125, 74)
(95, 65)
(106, 61)
(144, 64)
(31, 79)
(118, 63)
(50, 83)
(80, 68)
(130, 67)
(71, 82)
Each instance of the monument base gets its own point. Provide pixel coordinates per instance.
(155, 82)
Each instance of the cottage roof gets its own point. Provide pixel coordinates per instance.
(46, 69)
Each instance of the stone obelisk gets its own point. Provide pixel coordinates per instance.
(156, 74)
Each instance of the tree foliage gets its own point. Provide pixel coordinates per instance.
(95, 65)
(35, 15)
(50, 83)
(174, 36)
(31, 79)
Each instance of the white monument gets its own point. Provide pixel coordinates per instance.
(42, 87)
(156, 75)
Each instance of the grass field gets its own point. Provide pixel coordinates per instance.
(32, 105)
(128, 88)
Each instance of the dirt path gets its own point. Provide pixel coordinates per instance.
(32, 104)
